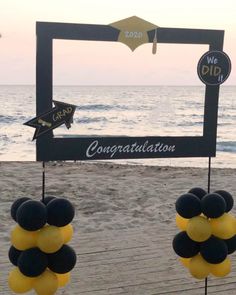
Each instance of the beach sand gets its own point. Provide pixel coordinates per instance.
(124, 224)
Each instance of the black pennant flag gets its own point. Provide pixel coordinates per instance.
(62, 113)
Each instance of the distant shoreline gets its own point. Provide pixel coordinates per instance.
(115, 85)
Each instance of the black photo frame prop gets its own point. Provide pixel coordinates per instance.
(50, 148)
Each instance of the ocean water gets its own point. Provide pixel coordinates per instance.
(122, 110)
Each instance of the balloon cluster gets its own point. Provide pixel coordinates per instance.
(39, 249)
(208, 232)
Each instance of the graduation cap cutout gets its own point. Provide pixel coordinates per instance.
(134, 31)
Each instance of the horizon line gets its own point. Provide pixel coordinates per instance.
(117, 85)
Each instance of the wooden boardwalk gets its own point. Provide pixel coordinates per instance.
(138, 261)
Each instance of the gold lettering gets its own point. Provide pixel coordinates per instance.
(59, 115)
(205, 70)
(211, 70)
(217, 71)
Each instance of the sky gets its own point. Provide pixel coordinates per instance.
(111, 63)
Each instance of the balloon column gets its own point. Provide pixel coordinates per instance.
(208, 232)
(39, 250)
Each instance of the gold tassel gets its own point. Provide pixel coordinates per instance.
(154, 45)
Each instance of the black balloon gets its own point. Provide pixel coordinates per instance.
(228, 199)
(13, 255)
(198, 192)
(231, 244)
(188, 205)
(32, 215)
(63, 260)
(213, 205)
(16, 205)
(214, 250)
(47, 199)
(184, 246)
(60, 212)
(32, 262)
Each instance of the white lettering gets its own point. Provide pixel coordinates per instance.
(145, 146)
(220, 78)
(114, 149)
(133, 35)
(96, 149)
(92, 147)
(150, 148)
(165, 148)
(212, 60)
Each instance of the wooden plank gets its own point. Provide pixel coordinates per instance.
(130, 262)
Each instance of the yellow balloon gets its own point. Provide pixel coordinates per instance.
(221, 269)
(181, 222)
(223, 227)
(18, 282)
(185, 261)
(199, 229)
(50, 239)
(63, 279)
(23, 239)
(46, 283)
(235, 225)
(67, 232)
(198, 267)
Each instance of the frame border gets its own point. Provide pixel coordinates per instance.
(76, 148)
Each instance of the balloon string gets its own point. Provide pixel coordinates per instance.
(43, 182)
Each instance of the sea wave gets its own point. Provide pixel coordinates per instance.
(9, 119)
(190, 123)
(101, 107)
(5, 140)
(87, 120)
(226, 146)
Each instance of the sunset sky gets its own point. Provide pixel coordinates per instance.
(108, 63)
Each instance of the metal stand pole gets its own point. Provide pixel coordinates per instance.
(43, 182)
(208, 190)
(209, 176)
(206, 286)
